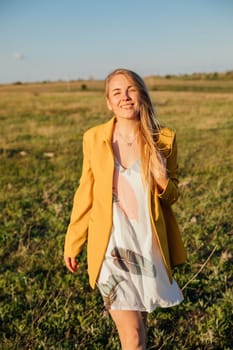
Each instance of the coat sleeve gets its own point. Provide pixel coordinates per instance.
(170, 193)
(76, 235)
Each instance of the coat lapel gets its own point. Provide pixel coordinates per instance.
(108, 130)
(107, 161)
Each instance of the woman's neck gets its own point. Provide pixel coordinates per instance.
(127, 127)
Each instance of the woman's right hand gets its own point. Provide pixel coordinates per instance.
(71, 264)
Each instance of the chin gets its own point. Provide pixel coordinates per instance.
(129, 115)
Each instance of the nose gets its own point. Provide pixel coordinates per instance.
(125, 95)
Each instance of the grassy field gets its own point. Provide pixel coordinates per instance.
(42, 306)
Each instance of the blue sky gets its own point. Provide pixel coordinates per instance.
(74, 39)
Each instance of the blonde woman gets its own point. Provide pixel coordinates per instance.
(123, 207)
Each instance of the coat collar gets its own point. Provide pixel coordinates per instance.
(108, 129)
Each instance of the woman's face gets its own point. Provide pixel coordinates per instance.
(123, 98)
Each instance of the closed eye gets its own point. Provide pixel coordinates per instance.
(132, 89)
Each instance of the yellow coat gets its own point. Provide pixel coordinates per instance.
(91, 217)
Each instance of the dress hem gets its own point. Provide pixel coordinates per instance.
(134, 308)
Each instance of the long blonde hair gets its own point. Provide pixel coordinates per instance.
(149, 126)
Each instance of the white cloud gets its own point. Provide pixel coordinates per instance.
(18, 56)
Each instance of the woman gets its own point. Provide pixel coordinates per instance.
(123, 206)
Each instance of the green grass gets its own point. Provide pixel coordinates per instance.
(42, 306)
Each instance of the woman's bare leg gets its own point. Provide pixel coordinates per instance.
(131, 328)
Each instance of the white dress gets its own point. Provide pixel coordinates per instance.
(133, 275)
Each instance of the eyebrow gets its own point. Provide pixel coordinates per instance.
(128, 87)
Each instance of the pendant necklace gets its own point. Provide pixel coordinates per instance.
(128, 143)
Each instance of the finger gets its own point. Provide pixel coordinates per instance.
(74, 264)
(70, 264)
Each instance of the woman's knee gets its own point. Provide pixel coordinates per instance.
(134, 338)
(131, 329)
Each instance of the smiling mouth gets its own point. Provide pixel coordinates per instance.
(127, 106)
